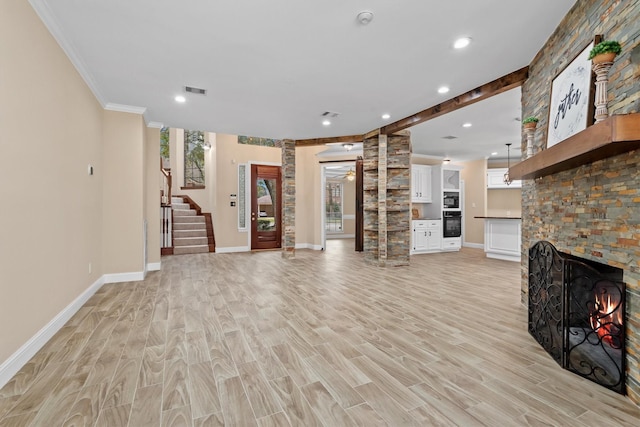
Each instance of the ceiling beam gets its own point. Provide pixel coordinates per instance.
(331, 140)
(480, 93)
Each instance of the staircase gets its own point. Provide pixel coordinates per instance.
(190, 228)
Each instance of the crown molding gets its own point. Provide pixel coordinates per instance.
(48, 19)
(155, 125)
(125, 108)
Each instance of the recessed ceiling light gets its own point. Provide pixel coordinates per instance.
(462, 42)
(466, 125)
(386, 116)
(180, 99)
(446, 161)
(443, 89)
(495, 153)
(326, 122)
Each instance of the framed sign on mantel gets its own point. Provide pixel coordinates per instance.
(572, 98)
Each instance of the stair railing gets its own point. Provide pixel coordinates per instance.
(165, 194)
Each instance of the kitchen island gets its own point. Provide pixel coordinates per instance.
(502, 237)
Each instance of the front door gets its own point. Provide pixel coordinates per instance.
(266, 207)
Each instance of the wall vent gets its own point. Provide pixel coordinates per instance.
(330, 114)
(449, 137)
(195, 90)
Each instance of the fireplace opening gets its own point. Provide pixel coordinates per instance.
(576, 312)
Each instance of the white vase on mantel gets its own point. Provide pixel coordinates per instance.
(529, 130)
(601, 65)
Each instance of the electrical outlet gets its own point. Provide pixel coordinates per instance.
(89, 268)
(90, 170)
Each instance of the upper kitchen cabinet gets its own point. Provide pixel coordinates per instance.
(495, 179)
(450, 178)
(421, 191)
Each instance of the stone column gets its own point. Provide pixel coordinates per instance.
(288, 198)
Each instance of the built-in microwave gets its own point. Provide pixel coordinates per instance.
(451, 200)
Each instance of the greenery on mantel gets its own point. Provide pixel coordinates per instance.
(607, 46)
(530, 120)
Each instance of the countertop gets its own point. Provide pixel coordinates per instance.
(424, 219)
(498, 217)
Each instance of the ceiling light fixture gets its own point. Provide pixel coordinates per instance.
(443, 89)
(446, 161)
(507, 178)
(365, 17)
(326, 123)
(386, 116)
(347, 147)
(466, 125)
(180, 99)
(462, 42)
(350, 175)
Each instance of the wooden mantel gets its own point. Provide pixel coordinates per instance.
(615, 135)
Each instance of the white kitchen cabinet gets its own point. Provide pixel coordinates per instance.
(426, 236)
(502, 238)
(421, 191)
(495, 179)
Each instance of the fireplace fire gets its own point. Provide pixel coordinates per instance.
(606, 318)
(576, 312)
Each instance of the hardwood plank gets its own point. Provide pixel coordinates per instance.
(365, 416)
(114, 416)
(177, 417)
(340, 390)
(385, 407)
(203, 391)
(325, 406)
(260, 395)
(392, 387)
(152, 367)
(147, 406)
(175, 392)
(235, 404)
(275, 420)
(294, 404)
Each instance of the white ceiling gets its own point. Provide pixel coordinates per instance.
(271, 68)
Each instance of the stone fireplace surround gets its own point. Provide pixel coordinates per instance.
(593, 210)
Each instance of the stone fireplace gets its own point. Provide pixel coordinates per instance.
(590, 209)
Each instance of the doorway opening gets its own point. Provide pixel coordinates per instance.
(340, 204)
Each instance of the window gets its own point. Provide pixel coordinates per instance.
(333, 207)
(193, 158)
(242, 211)
(164, 148)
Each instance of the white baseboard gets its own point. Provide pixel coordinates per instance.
(154, 266)
(20, 358)
(340, 236)
(473, 245)
(231, 249)
(308, 246)
(135, 276)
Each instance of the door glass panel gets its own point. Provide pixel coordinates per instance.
(266, 204)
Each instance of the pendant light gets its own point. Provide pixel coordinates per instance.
(507, 178)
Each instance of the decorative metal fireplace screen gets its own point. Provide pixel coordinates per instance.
(576, 312)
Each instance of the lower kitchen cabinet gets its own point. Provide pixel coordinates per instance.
(426, 236)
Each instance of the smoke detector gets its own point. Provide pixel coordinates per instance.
(365, 17)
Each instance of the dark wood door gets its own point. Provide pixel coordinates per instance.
(266, 207)
(359, 205)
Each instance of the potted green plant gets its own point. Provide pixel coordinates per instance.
(605, 51)
(530, 122)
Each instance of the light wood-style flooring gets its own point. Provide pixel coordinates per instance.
(321, 340)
